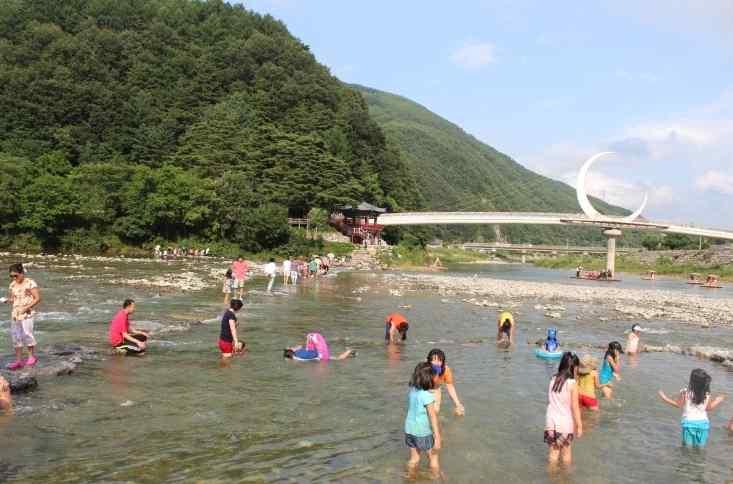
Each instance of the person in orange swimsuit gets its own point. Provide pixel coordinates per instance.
(394, 324)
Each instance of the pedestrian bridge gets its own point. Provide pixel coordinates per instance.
(532, 218)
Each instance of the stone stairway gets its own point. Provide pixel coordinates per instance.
(366, 259)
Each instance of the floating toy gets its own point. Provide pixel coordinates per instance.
(547, 355)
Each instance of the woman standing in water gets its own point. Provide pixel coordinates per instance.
(562, 420)
(24, 296)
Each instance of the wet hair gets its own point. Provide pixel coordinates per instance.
(614, 348)
(228, 274)
(402, 329)
(17, 268)
(506, 326)
(127, 303)
(565, 371)
(288, 353)
(699, 385)
(441, 356)
(422, 377)
(236, 304)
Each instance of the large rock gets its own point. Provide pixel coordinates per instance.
(54, 361)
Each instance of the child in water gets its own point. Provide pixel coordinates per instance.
(229, 342)
(611, 368)
(632, 343)
(228, 286)
(588, 382)
(505, 331)
(562, 420)
(695, 401)
(443, 375)
(551, 343)
(422, 433)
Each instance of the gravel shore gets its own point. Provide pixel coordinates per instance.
(627, 303)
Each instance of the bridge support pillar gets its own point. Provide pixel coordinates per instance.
(611, 236)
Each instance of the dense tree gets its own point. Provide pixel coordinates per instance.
(148, 119)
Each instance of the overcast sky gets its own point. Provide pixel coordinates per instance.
(552, 83)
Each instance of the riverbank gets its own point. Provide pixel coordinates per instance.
(634, 264)
(431, 258)
(600, 302)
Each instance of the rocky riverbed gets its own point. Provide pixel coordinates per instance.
(616, 302)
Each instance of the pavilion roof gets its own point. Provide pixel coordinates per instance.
(362, 208)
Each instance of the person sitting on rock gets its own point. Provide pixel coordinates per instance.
(395, 323)
(122, 336)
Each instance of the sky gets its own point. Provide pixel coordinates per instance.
(553, 83)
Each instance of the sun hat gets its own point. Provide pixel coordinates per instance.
(587, 363)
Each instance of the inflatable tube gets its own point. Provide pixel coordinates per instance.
(547, 355)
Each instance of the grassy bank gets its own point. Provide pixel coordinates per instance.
(631, 264)
(414, 257)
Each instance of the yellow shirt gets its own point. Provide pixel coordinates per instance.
(586, 384)
(504, 316)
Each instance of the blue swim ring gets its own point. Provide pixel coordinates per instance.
(547, 355)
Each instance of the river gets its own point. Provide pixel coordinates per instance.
(178, 414)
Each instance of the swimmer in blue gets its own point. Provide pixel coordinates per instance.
(551, 343)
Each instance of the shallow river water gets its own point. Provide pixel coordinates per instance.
(178, 414)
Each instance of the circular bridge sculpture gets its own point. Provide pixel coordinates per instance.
(582, 194)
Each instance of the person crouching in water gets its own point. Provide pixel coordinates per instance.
(562, 420)
(229, 343)
(422, 432)
(588, 382)
(443, 376)
(395, 323)
(122, 336)
(695, 401)
(611, 368)
(505, 332)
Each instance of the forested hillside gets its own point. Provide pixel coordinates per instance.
(131, 121)
(455, 171)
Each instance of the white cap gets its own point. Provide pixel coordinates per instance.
(635, 327)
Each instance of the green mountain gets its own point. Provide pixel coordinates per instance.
(145, 121)
(455, 171)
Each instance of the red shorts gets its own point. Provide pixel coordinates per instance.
(226, 346)
(586, 401)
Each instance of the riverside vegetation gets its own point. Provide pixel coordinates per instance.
(133, 123)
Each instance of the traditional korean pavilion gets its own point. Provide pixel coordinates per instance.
(359, 223)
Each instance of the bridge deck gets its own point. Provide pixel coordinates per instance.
(532, 218)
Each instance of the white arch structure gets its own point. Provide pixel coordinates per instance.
(611, 225)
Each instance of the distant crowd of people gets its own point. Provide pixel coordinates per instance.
(291, 269)
(168, 252)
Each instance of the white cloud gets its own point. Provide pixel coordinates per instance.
(474, 55)
(713, 180)
(668, 153)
